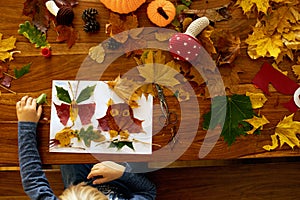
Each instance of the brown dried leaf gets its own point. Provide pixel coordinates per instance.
(66, 33)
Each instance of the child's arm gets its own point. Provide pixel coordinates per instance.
(34, 181)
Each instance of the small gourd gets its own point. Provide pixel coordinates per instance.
(123, 6)
(161, 12)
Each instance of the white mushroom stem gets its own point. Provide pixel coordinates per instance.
(52, 7)
(197, 26)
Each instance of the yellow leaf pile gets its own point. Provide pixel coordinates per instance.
(286, 132)
(6, 45)
(277, 32)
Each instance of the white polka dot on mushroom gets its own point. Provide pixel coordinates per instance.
(177, 38)
(189, 52)
(184, 43)
(178, 52)
(194, 46)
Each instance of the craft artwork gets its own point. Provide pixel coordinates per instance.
(88, 117)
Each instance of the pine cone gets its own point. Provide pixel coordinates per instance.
(89, 14)
(112, 44)
(91, 26)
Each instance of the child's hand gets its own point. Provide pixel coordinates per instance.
(26, 110)
(106, 171)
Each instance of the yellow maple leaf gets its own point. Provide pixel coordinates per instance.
(257, 99)
(7, 45)
(126, 89)
(155, 70)
(263, 45)
(296, 70)
(247, 6)
(256, 122)
(286, 131)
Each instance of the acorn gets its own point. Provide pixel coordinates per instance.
(64, 15)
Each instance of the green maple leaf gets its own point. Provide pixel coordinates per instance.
(90, 135)
(237, 108)
(120, 144)
(34, 35)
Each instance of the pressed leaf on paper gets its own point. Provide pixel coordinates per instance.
(126, 89)
(237, 108)
(285, 133)
(257, 99)
(90, 135)
(256, 122)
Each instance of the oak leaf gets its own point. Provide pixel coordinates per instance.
(286, 132)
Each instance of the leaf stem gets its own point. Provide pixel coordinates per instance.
(7, 89)
(9, 75)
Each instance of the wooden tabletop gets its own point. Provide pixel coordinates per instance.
(64, 64)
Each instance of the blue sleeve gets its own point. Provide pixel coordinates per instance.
(34, 181)
(141, 187)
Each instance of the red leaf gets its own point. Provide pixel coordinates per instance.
(63, 112)
(7, 81)
(119, 117)
(36, 9)
(3, 68)
(86, 112)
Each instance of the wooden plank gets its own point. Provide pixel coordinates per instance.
(233, 181)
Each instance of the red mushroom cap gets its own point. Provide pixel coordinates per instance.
(184, 47)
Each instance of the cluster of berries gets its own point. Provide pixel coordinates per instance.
(89, 17)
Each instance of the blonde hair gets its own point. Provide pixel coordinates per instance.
(82, 192)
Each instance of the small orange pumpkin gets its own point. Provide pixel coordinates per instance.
(161, 12)
(123, 6)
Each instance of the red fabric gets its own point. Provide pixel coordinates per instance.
(281, 83)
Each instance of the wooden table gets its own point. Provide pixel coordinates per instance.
(65, 63)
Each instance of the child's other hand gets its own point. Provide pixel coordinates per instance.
(26, 110)
(106, 171)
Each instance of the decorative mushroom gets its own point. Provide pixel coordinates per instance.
(185, 46)
(64, 15)
(123, 6)
(161, 12)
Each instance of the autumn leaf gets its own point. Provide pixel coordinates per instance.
(37, 10)
(256, 122)
(227, 46)
(34, 35)
(257, 99)
(90, 135)
(286, 133)
(275, 33)
(97, 53)
(122, 27)
(126, 89)
(21, 72)
(66, 33)
(120, 144)
(155, 70)
(237, 108)
(6, 47)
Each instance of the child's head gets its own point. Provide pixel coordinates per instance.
(82, 191)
